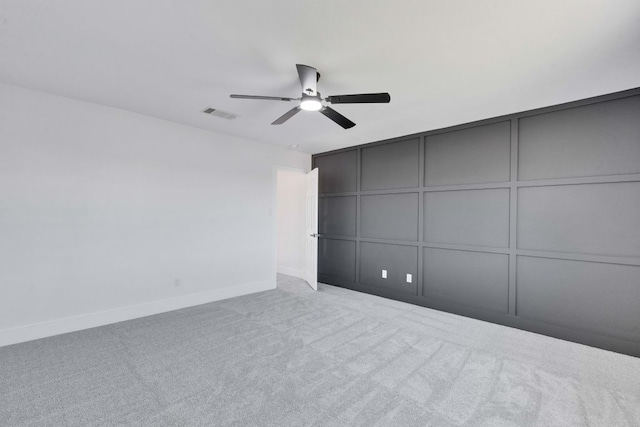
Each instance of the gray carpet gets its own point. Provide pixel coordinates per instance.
(292, 357)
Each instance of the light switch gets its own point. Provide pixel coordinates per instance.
(384, 274)
(409, 278)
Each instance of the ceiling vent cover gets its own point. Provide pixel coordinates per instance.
(219, 113)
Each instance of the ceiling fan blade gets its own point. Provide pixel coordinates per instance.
(363, 98)
(308, 79)
(337, 117)
(267, 98)
(286, 116)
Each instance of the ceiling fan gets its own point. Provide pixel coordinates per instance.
(311, 100)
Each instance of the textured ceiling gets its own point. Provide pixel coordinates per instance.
(444, 62)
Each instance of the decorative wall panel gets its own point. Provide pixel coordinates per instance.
(530, 220)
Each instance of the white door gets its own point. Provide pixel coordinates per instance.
(311, 263)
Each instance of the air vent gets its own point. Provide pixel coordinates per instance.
(219, 113)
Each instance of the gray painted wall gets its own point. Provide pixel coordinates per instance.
(530, 220)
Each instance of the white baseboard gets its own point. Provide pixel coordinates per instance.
(101, 318)
(289, 271)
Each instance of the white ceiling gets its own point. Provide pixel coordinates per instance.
(444, 62)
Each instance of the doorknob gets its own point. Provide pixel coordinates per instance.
(314, 235)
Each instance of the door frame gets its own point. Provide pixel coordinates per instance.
(274, 213)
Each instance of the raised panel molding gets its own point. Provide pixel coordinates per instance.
(397, 260)
(389, 216)
(592, 140)
(597, 297)
(468, 217)
(475, 279)
(530, 220)
(474, 155)
(337, 215)
(391, 166)
(339, 172)
(337, 259)
(602, 219)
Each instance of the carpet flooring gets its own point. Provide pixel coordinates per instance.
(294, 357)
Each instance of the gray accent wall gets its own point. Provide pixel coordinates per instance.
(390, 216)
(530, 220)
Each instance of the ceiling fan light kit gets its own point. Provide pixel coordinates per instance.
(311, 103)
(311, 100)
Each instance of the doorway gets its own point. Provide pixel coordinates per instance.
(296, 232)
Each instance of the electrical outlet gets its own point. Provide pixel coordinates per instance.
(177, 282)
(384, 274)
(409, 278)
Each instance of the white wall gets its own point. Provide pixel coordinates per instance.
(101, 210)
(290, 224)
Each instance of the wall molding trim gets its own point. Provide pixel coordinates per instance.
(290, 271)
(106, 317)
(528, 220)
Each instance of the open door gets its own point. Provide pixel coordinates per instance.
(311, 263)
